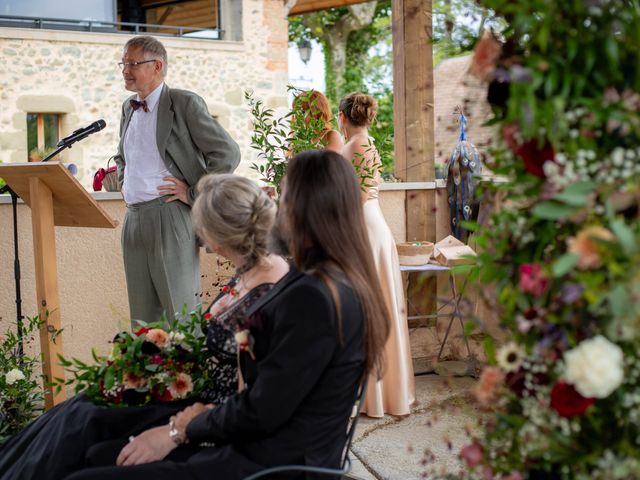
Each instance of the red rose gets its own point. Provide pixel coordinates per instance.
(156, 359)
(163, 397)
(532, 279)
(534, 157)
(567, 401)
(142, 331)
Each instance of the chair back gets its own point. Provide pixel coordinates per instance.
(353, 423)
(345, 465)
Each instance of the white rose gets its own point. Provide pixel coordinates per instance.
(594, 367)
(177, 337)
(14, 376)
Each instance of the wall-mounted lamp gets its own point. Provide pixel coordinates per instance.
(304, 49)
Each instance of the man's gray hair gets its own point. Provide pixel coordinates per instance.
(152, 49)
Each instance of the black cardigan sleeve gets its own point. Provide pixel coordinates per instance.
(302, 343)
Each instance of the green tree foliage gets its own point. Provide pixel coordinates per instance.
(366, 66)
(368, 62)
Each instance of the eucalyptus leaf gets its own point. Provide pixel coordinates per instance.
(564, 264)
(552, 210)
(625, 236)
(619, 301)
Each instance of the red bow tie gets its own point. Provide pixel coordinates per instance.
(136, 105)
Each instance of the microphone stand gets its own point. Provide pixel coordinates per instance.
(56, 152)
(16, 270)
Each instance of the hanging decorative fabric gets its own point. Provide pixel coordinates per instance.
(462, 172)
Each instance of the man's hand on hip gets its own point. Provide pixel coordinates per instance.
(176, 189)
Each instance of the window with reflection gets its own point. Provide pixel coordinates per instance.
(43, 133)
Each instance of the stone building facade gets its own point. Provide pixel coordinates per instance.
(75, 75)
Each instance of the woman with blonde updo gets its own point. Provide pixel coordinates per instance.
(394, 393)
(318, 109)
(234, 217)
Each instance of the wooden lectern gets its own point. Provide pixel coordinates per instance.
(56, 198)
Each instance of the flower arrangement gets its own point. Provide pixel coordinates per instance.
(21, 394)
(562, 396)
(150, 364)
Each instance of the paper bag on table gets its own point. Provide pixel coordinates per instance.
(450, 251)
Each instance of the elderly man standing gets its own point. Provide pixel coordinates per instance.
(168, 140)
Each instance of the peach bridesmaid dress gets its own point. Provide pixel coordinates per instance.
(394, 393)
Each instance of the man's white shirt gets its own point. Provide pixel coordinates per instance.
(144, 166)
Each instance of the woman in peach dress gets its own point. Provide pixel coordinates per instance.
(394, 393)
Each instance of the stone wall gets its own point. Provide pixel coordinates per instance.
(75, 74)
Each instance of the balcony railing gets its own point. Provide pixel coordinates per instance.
(110, 27)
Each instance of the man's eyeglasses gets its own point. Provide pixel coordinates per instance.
(133, 65)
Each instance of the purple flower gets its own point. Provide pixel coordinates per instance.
(520, 74)
(571, 293)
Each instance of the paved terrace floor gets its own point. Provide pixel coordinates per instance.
(423, 445)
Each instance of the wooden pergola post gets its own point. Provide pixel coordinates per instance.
(413, 111)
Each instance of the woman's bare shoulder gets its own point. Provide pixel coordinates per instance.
(334, 141)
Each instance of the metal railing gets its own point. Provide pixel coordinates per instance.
(110, 27)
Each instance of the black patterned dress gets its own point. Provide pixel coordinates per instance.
(222, 345)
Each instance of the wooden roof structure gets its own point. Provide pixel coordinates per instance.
(298, 7)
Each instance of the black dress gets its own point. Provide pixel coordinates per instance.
(55, 444)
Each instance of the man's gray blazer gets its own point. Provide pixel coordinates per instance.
(190, 141)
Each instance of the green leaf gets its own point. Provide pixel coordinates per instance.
(619, 301)
(583, 188)
(564, 264)
(469, 328)
(576, 194)
(490, 349)
(109, 380)
(625, 236)
(552, 210)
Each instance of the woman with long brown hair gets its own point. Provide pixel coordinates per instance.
(318, 111)
(327, 236)
(394, 393)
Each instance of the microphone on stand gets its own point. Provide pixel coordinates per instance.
(81, 133)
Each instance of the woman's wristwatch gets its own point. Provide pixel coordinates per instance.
(176, 435)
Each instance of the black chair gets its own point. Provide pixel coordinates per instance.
(345, 464)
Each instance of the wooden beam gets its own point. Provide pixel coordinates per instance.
(309, 6)
(413, 111)
(146, 4)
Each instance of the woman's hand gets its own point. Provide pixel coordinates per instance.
(182, 419)
(150, 446)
